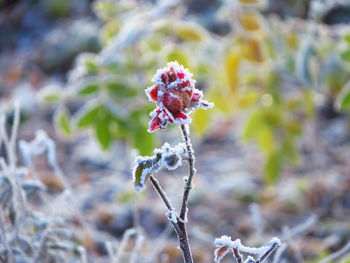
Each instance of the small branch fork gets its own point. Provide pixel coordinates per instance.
(179, 222)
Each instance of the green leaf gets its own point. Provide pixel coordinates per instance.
(190, 31)
(145, 166)
(289, 150)
(179, 56)
(143, 140)
(103, 133)
(345, 55)
(347, 38)
(87, 116)
(266, 138)
(343, 100)
(294, 127)
(91, 65)
(272, 168)
(89, 89)
(50, 95)
(120, 88)
(253, 124)
(62, 121)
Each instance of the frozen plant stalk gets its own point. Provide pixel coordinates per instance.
(175, 96)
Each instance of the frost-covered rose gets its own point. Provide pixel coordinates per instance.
(175, 95)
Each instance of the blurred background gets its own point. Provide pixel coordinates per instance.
(273, 154)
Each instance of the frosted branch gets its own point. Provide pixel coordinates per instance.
(224, 244)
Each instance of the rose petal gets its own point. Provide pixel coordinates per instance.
(181, 115)
(153, 124)
(153, 93)
(196, 97)
(181, 75)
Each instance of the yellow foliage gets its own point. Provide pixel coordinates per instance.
(224, 101)
(292, 40)
(253, 50)
(247, 99)
(250, 21)
(201, 121)
(249, 1)
(190, 31)
(232, 63)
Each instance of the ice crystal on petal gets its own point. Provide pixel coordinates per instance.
(175, 96)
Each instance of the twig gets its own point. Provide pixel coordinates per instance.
(83, 254)
(337, 254)
(279, 253)
(257, 220)
(237, 255)
(273, 247)
(161, 192)
(12, 143)
(184, 243)
(10, 167)
(188, 184)
(300, 228)
(138, 244)
(166, 201)
(126, 237)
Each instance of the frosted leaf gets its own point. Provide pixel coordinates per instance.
(166, 156)
(224, 245)
(144, 167)
(171, 157)
(220, 253)
(50, 94)
(40, 145)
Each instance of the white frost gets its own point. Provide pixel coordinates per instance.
(172, 216)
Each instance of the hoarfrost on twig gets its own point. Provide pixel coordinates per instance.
(224, 244)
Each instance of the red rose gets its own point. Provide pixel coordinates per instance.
(175, 95)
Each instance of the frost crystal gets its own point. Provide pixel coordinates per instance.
(174, 93)
(223, 241)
